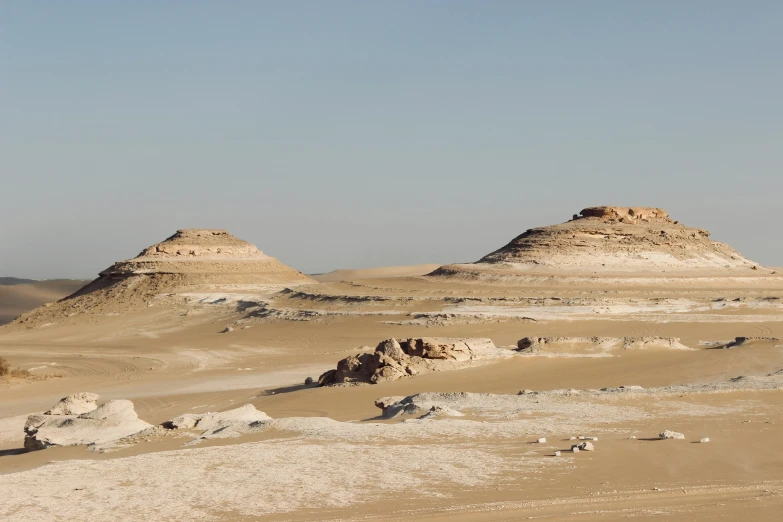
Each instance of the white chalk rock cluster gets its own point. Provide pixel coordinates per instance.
(78, 420)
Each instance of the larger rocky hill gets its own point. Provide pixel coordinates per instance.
(611, 239)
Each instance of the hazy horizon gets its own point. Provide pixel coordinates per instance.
(353, 134)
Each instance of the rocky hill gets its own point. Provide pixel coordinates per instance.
(617, 239)
(187, 260)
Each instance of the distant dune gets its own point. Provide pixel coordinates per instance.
(22, 295)
(374, 273)
(15, 281)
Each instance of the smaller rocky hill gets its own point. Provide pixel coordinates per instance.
(188, 259)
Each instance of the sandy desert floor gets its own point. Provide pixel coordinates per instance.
(330, 455)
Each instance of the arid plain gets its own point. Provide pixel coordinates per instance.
(457, 392)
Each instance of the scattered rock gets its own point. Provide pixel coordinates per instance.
(542, 440)
(705, 439)
(586, 446)
(308, 381)
(227, 329)
(667, 434)
(557, 454)
(575, 448)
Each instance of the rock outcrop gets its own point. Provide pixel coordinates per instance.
(77, 420)
(604, 239)
(396, 359)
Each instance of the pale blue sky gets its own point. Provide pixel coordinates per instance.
(362, 133)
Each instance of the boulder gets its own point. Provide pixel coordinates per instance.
(528, 344)
(107, 423)
(667, 434)
(387, 373)
(392, 349)
(327, 378)
(356, 368)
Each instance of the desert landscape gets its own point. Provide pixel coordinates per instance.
(617, 364)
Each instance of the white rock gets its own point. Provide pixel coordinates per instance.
(667, 434)
(557, 454)
(587, 446)
(231, 423)
(542, 440)
(705, 439)
(575, 448)
(107, 423)
(441, 411)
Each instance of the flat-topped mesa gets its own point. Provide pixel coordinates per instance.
(626, 214)
(204, 251)
(606, 239)
(202, 243)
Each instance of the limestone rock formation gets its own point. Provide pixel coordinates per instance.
(226, 424)
(63, 425)
(603, 239)
(396, 359)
